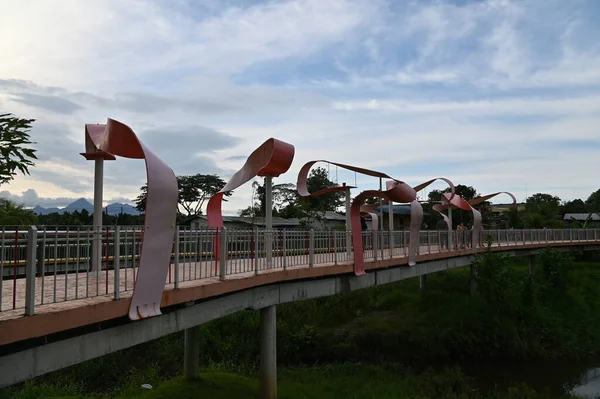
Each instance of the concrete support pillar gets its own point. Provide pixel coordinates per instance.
(191, 355)
(473, 280)
(531, 264)
(268, 353)
(98, 182)
(269, 218)
(423, 283)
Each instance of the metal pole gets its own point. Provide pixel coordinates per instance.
(117, 261)
(450, 230)
(269, 218)
(98, 181)
(268, 353)
(30, 271)
(348, 224)
(381, 219)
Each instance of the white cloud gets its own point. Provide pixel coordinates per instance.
(497, 94)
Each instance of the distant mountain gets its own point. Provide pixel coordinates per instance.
(81, 204)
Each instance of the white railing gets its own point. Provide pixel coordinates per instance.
(50, 265)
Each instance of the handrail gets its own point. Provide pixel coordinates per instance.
(61, 268)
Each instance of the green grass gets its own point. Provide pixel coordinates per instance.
(341, 381)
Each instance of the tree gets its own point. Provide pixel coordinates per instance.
(282, 194)
(466, 192)
(458, 215)
(575, 206)
(15, 215)
(542, 210)
(318, 180)
(15, 153)
(194, 191)
(593, 201)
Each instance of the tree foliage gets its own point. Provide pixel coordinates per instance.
(16, 155)
(593, 201)
(13, 214)
(288, 204)
(194, 192)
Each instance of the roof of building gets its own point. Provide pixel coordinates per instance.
(398, 210)
(581, 216)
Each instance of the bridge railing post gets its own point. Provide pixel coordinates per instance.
(176, 257)
(311, 248)
(284, 248)
(223, 255)
(117, 262)
(30, 271)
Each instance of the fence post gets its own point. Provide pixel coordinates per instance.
(311, 248)
(284, 245)
(41, 257)
(30, 271)
(117, 261)
(223, 260)
(176, 255)
(256, 249)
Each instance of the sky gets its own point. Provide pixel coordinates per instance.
(499, 95)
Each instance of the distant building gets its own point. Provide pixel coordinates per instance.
(328, 220)
(581, 217)
(401, 216)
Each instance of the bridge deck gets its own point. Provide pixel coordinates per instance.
(69, 300)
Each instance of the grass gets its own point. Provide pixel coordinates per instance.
(340, 381)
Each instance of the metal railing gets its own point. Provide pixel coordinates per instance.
(51, 265)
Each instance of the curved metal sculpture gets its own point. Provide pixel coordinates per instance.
(400, 192)
(116, 138)
(272, 158)
(479, 200)
(459, 202)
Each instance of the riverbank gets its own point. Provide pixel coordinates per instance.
(515, 317)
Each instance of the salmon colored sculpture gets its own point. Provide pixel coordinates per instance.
(273, 158)
(116, 138)
(401, 192)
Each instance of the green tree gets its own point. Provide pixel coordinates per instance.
(194, 191)
(542, 210)
(593, 201)
(575, 206)
(16, 155)
(282, 194)
(458, 215)
(318, 180)
(13, 214)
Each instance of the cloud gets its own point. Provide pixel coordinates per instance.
(50, 103)
(498, 94)
(30, 198)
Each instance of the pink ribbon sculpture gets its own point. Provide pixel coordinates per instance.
(116, 138)
(400, 192)
(273, 158)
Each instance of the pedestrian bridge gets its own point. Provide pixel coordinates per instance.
(57, 311)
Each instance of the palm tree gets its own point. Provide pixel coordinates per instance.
(13, 214)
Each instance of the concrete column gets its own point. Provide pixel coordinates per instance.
(268, 353)
(98, 182)
(191, 355)
(269, 218)
(348, 224)
(531, 264)
(423, 283)
(473, 280)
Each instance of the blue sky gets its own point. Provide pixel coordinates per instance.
(501, 95)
